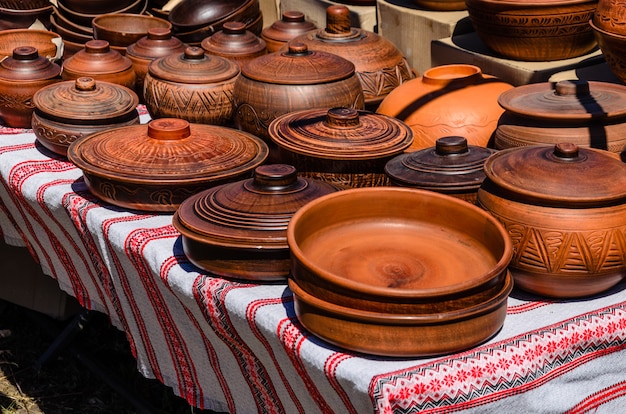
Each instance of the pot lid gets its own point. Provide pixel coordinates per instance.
(341, 133)
(97, 57)
(566, 100)
(85, 100)
(169, 150)
(298, 66)
(193, 66)
(251, 213)
(451, 164)
(560, 175)
(234, 39)
(291, 24)
(158, 42)
(26, 64)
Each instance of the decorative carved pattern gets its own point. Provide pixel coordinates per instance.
(384, 80)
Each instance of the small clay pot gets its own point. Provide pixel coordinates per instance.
(236, 43)
(292, 24)
(21, 76)
(191, 85)
(70, 110)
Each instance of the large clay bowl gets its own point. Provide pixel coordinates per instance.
(613, 47)
(124, 29)
(68, 34)
(189, 15)
(402, 335)
(66, 23)
(531, 30)
(47, 43)
(441, 5)
(96, 6)
(85, 19)
(22, 14)
(397, 250)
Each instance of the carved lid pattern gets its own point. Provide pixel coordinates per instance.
(193, 66)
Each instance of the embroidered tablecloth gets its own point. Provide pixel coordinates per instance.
(238, 347)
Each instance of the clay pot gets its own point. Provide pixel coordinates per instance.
(531, 30)
(613, 47)
(451, 167)
(610, 16)
(291, 24)
(564, 208)
(48, 44)
(21, 76)
(235, 43)
(380, 66)
(441, 5)
(585, 113)
(97, 60)
(155, 166)
(395, 257)
(158, 43)
(297, 79)
(239, 230)
(191, 85)
(70, 110)
(448, 100)
(22, 14)
(124, 29)
(343, 146)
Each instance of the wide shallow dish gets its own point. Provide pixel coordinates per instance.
(47, 43)
(124, 29)
(397, 250)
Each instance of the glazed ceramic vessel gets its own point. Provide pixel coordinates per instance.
(451, 167)
(21, 76)
(343, 146)
(70, 110)
(239, 230)
(291, 24)
(585, 113)
(191, 85)
(453, 99)
(534, 30)
(378, 63)
(564, 208)
(155, 166)
(236, 43)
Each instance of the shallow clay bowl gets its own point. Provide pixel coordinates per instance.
(22, 14)
(613, 47)
(85, 19)
(96, 6)
(397, 250)
(66, 23)
(43, 40)
(402, 335)
(123, 29)
(68, 34)
(189, 15)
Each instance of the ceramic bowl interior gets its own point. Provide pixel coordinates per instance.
(85, 19)
(189, 15)
(45, 41)
(123, 29)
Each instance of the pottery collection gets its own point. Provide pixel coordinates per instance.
(391, 204)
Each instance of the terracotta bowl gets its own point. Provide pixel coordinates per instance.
(22, 14)
(397, 250)
(68, 34)
(66, 23)
(96, 6)
(46, 42)
(613, 47)
(189, 15)
(124, 29)
(441, 5)
(85, 19)
(529, 30)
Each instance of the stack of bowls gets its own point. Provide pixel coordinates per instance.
(17, 14)
(608, 27)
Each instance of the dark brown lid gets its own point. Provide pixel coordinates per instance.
(341, 133)
(566, 100)
(168, 150)
(193, 66)
(97, 57)
(234, 40)
(85, 100)
(298, 66)
(451, 165)
(159, 42)
(26, 64)
(560, 175)
(291, 24)
(249, 213)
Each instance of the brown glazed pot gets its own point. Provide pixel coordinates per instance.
(70, 110)
(564, 208)
(378, 63)
(291, 24)
(21, 76)
(450, 167)
(158, 43)
(191, 85)
(342, 146)
(455, 99)
(534, 30)
(395, 257)
(97, 60)
(239, 230)
(235, 43)
(155, 166)
(297, 79)
(585, 113)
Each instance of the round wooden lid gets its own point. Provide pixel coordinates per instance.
(193, 66)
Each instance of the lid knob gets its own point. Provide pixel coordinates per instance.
(275, 175)
(25, 53)
(234, 28)
(85, 83)
(293, 17)
(342, 118)
(566, 150)
(97, 46)
(298, 49)
(338, 19)
(451, 145)
(572, 88)
(159, 33)
(193, 53)
(168, 129)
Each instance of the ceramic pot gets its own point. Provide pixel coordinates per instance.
(585, 113)
(448, 100)
(155, 166)
(451, 167)
(235, 43)
(158, 43)
(97, 60)
(191, 85)
(613, 47)
(297, 79)
(610, 16)
(380, 66)
(343, 146)
(21, 76)
(564, 208)
(239, 230)
(70, 110)
(531, 30)
(291, 24)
